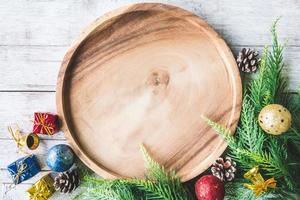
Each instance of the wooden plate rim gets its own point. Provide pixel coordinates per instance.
(221, 47)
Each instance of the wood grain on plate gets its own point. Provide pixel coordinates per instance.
(145, 74)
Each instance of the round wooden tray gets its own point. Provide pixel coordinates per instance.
(145, 74)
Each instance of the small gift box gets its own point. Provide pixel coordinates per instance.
(45, 123)
(42, 189)
(24, 168)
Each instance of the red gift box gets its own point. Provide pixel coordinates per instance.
(45, 123)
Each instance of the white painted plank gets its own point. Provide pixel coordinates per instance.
(55, 22)
(249, 21)
(19, 107)
(29, 67)
(36, 67)
(32, 53)
(27, 75)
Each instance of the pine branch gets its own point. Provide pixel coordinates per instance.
(105, 190)
(251, 146)
(242, 151)
(224, 132)
(295, 107)
(277, 83)
(257, 88)
(155, 171)
(159, 190)
(281, 160)
(248, 132)
(161, 179)
(159, 184)
(247, 158)
(270, 86)
(292, 137)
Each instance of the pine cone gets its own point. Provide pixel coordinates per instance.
(247, 60)
(224, 169)
(66, 182)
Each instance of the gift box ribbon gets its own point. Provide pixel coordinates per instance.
(24, 168)
(21, 169)
(259, 184)
(41, 121)
(258, 189)
(42, 189)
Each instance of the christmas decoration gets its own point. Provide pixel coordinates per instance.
(24, 168)
(42, 189)
(60, 158)
(275, 119)
(31, 141)
(247, 60)
(277, 157)
(66, 182)
(224, 169)
(259, 184)
(158, 184)
(45, 123)
(209, 187)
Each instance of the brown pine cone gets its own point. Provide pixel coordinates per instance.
(224, 169)
(66, 182)
(247, 60)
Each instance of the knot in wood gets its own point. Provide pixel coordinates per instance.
(158, 78)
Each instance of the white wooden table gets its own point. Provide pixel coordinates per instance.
(35, 34)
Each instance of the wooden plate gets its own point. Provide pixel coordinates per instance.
(145, 74)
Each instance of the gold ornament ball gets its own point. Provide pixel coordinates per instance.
(275, 119)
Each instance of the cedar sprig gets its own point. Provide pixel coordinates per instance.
(270, 86)
(293, 135)
(258, 88)
(248, 132)
(159, 184)
(251, 146)
(245, 157)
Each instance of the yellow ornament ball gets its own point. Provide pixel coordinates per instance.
(275, 119)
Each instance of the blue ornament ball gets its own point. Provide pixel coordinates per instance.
(60, 158)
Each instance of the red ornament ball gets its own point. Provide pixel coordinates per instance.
(209, 187)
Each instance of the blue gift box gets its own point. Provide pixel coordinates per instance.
(24, 168)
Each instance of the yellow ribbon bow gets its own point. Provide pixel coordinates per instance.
(259, 185)
(16, 135)
(41, 122)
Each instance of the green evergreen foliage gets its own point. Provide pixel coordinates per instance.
(159, 184)
(250, 146)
